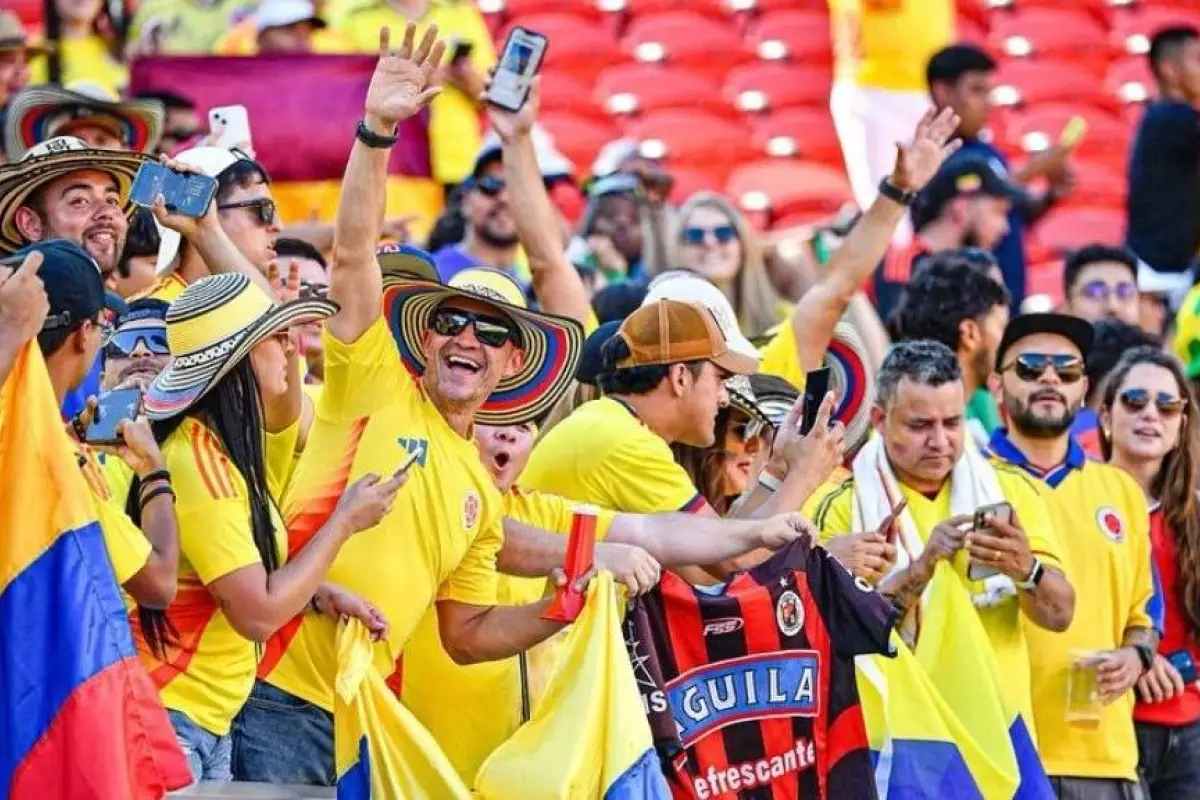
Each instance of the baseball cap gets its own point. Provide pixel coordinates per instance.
(689, 287)
(550, 160)
(671, 331)
(71, 279)
(591, 360)
(965, 173)
(1076, 330)
(281, 13)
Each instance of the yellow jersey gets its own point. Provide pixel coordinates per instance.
(1104, 527)
(486, 698)
(89, 60)
(188, 27)
(439, 541)
(604, 455)
(454, 121)
(166, 288)
(128, 548)
(831, 509)
(206, 674)
(886, 44)
(781, 357)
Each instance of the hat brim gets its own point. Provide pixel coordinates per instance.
(176, 389)
(552, 346)
(849, 380)
(34, 110)
(21, 179)
(410, 266)
(1076, 330)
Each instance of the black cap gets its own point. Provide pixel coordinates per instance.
(72, 282)
(144, 308)
(590, 362)
(1076, 330)
(963, 173)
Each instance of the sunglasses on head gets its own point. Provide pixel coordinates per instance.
(1031, 366)
(1099, 290)
(490, 331)
(263, 207)
(724, 234)
(122, 343)
(1136, 399)
(490, 185)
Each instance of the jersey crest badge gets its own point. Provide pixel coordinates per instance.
(1111, 524)
(789, 613)
(470, 509)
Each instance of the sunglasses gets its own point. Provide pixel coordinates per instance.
(747, 430)
(122, 343)
(724, 234)
(1032, 366)
(1168, 405)
(265, 208)
(490, 185)
(490, 331)
(1099, 290)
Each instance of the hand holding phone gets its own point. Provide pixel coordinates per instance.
(230, 128)
(520, 61)
(816, 386)
(113, 408)
(188, 194)
(981, 522)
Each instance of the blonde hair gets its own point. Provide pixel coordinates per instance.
(754, 299)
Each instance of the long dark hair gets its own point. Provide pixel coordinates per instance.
(1175, 483)
(233, 411)
(704, 464)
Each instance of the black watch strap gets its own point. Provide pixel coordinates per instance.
(372, 139)
(892, 192)
(1145, 655)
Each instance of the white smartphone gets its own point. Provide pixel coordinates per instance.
(231, 124)
(520, 61)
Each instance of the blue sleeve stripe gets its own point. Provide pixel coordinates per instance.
(1156, 605)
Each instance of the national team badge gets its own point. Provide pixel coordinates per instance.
(1111, 524)
(789, 613)
(470, 509)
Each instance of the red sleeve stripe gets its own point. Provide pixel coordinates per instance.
(695, 505)
(208, 466)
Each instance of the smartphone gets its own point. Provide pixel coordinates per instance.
(520, 61)
(185, 193)
(816, 386)
(406, 465)
(231, 124)
(113, 407)
(1000, 511)
(1182, 661)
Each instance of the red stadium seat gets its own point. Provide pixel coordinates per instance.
(1130, 80)
(685, 38)
(798, 132)
(642, 88)
(1040, 126)
(1045, 278)
(716, 9)
(799, 35)
(1066, 229)
(788, 187)
(586, 9)
(1133, 27)
(1097, 9)
(975, 11)
(766, 6)
(563, 92)
(1021, 81)
(1100, 184)
(578, 138)
(969, 31)
(692, 138)
(29, 11)
(576, 45)
(773, 85)
(1066, 35)
(688, 181)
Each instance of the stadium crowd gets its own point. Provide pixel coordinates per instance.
(968, 564)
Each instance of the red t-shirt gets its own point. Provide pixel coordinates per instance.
(1184, 709)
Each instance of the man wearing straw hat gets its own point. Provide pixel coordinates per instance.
(83, 110)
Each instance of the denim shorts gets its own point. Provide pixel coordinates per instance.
(279, 738)
(208, 755)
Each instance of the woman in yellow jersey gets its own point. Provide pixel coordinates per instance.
(1151, 426)
(89, 47)
(228, 456)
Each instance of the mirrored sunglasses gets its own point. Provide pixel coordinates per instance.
(490, 331)
(1136, 399)
(724, 234)
(264, 209)
(122, 343)
(1032, 366)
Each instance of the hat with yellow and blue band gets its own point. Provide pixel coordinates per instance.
(552, 344)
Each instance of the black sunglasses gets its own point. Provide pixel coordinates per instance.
(491, 331)
(267, 213)
(1136, 399)
(1031, 366)
(724, 234)
(122, 343)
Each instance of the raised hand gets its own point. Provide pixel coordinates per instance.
(187, 227)
(820, 450)
(23, 301)
(509, 124)
(367, 501)
(918, 162)
(781, 530)
(403, 81)
(138, 447)
(629, 565)
(286, 290)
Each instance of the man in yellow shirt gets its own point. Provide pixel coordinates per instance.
(921, 451)
(1102, 523)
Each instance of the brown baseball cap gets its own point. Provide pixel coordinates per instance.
(671, 331)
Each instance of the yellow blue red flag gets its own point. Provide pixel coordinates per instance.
(79, 717)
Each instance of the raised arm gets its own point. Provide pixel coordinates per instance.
(23, 309)
(400, 87)
(817, 312)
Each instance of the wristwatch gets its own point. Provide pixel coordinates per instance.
(372, 139)
(1035, 576)
(769, 481)
(1145, 655)
(893, 192)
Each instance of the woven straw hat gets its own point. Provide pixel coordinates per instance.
(38, 113)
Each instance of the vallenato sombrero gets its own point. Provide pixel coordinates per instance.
(552, 344)
(211, 327)
(50, 161)
(38, 113)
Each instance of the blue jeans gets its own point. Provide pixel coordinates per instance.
(1169, 760)
(279, 738)
(207, 754)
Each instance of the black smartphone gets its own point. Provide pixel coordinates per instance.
(185, 193)
(520, 61)
(1000, 511)
(113, 407)
(816, 386)
(1182, 661)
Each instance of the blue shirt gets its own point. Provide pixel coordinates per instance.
(1009, 251)
(1002, 448)
(76, 400)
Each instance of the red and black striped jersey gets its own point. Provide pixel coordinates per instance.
(750, 691)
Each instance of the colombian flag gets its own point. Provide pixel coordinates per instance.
(80, 717)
